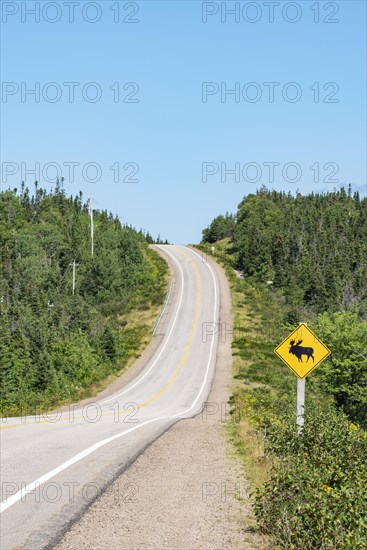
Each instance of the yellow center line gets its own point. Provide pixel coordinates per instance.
(170, 381)
(188, 345)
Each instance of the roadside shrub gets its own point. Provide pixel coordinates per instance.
(316, 496)
(344, 374)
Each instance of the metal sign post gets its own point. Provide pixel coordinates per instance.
(301, 397)
(301, 391)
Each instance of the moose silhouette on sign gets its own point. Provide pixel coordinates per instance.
(298, 351)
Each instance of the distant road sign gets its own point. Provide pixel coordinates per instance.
(302, 351)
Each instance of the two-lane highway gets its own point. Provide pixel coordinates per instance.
(52, 468)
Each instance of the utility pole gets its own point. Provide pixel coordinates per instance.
(91, 224)
(74, 264)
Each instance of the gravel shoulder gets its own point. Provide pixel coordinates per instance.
(185, 492)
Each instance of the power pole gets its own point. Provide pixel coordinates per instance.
(91, 224)
(74, 264)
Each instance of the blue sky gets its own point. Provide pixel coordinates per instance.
(169, 132)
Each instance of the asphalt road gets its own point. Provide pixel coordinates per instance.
(54, 467)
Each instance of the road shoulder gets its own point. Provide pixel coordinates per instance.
(185, 491)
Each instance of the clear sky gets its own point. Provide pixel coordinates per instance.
(173, 137)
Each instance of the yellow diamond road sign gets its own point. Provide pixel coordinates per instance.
(302, 351)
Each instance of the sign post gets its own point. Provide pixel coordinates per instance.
(302, 359)
(301, 398)
(301, 391)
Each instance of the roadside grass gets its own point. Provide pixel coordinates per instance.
(257, 323)
(310, 490)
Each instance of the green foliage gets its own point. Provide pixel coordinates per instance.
(220, 228)
(344, 375)
(54, 345)
(317, 492)
(314, 247)
(313, 251)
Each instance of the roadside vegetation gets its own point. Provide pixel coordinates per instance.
(302, 259)
(56, 347)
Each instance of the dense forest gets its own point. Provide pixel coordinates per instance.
(314, 246)
(312, 251)
(56, 340)
(292, 259)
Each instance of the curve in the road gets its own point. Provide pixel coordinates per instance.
(91, 449)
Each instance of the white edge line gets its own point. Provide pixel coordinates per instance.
(115, 396)
(163, 309)
(32, 486)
